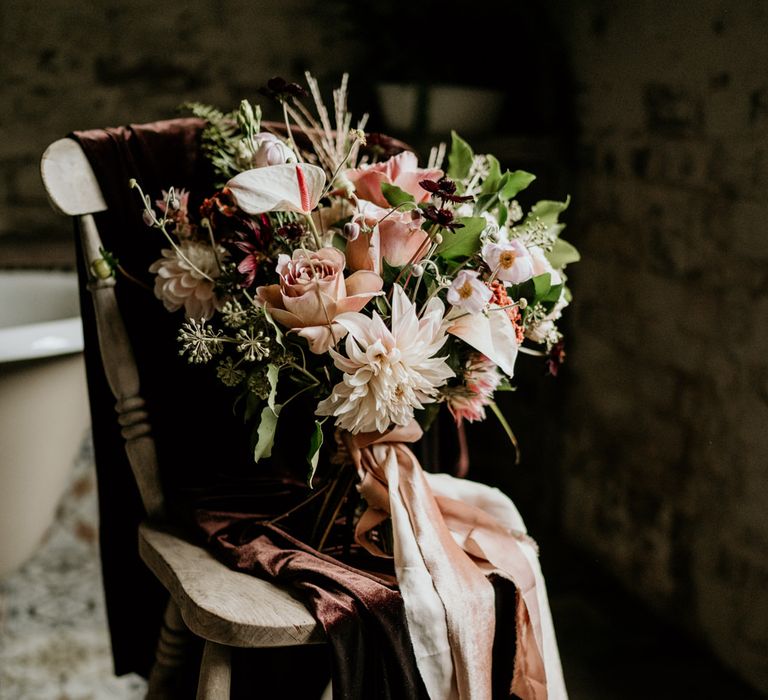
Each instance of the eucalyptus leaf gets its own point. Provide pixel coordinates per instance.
(395, 196)
(514, 182)
(266, 432)
(313, 456)
(460, 158)
(463, 242)
(563, 253)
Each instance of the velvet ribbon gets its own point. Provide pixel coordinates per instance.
(449, 536)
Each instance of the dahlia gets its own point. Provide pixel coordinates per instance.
(185, 277)
(387, 373)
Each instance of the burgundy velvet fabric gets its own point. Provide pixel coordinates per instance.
(203, 449)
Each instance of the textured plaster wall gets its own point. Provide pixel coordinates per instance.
(74, 65)
(666, 457)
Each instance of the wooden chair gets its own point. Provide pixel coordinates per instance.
(223, 607)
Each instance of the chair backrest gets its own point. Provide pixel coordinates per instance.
(73, 190)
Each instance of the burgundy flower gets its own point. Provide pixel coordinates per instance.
(281, 90)
(555, 358)
(441, 217)
(254, 242)
(444, 189)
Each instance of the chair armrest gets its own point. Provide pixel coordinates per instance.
(222, 605)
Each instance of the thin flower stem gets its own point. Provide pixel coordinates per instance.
(300, 505)
(288, 129)
(507, 430)
(315, 234)
(214, 247)
(133, 279)
(531, 351)
(160, 225)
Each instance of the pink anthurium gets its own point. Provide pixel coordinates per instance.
(491, 333)
(288, 187)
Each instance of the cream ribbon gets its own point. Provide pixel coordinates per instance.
(449, 535)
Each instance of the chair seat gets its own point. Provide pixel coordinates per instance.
(223, 605)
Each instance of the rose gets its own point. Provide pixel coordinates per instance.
(394, 236)
(313, 291)
(400, 170)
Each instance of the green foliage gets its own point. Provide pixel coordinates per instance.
(460, 159)
(268, 421)
(533, 290)
(562, 254)
(313, 456)
(513, 183)
(395, 196)
(463, 242)
(493, 179)
(219, 137)
(547, 211)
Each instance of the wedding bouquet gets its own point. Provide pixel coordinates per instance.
(326, 264)
(379, 288)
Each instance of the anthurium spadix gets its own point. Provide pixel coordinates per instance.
(491, 333)
(287, 187)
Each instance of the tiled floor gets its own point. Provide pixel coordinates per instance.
(54, 646)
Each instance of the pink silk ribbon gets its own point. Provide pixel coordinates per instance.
(449, 535)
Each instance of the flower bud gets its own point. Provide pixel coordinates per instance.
(417, 270)
(148, 217)
(101, 269)
(522, 303)
(438, 238)
(351, 231)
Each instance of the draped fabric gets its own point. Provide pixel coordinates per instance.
(455, 562)
(449, 533)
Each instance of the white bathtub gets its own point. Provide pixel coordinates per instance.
(43, 403)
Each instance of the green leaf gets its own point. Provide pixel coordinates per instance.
(532, 290)
(502, 215)
(460, 158)
(463, 242)
(269, 416)
(514, 182)
(273, 372)
(492, 181)
(553, 294)
(271, 321)
(505, 385)
(252, 403)
(542, 284)
(313, 456)
(562, 254)
(547, 211)
(395, 196)
(266, 432)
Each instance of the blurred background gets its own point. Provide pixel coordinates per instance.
(645, 463)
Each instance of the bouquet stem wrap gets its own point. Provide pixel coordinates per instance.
(449, 536)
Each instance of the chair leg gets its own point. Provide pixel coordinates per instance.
(215, 673)
(170, 656)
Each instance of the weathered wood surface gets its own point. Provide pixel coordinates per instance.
(215, 673)
(222, 605)
(69, 180)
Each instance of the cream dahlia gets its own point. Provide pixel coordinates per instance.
(387, 373)
(185, 277)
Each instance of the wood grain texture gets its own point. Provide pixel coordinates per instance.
(69, 180)
(222, 605)
(215, 673)
(165, 679)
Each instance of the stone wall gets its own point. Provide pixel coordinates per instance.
(78, 65)
(666, 457)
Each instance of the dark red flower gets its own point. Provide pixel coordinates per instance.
(444, 189)
(556, 358)
(281, 90)
(292, 231)
(441, 217)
